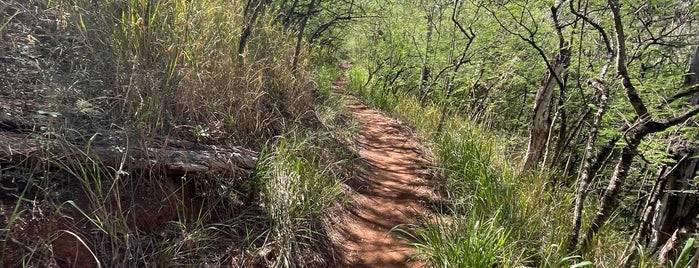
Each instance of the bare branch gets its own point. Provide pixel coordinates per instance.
(602, 32)
(622, 70)
(680, 119)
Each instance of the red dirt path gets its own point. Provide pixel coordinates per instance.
(387, 190)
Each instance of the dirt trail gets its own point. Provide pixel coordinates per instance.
(387, 190)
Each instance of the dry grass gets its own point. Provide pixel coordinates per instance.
(136, 71)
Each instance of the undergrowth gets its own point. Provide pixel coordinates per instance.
(161, 71)
(296, 194)
(176, 71)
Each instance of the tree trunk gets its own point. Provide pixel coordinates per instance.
(608, 201)
(676, 210)
(302, 29)
(174, 158)
(288, 16)
(588, 171)
(541, 114)
(426, 69)
(247, 29)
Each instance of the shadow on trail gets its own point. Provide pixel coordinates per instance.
(390, 187)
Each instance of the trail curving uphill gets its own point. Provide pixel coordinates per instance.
(388, 189)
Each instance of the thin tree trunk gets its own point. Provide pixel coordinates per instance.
(588, 171)
(470, 35)
(302, 29)
(608, 201)
(425, 70)
(288, 16)
(247, 30)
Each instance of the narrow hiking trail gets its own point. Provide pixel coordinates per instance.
(388, 189)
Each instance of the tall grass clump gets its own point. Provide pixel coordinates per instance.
(476, 202)
(479, 184)
(470, 180)
(485, 204)
(175, 67)
(463, 241)
(296, 193)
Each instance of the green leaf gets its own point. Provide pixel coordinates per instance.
(684, 258)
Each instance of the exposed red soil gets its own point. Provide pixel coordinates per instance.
(388, 190)
(150, 208)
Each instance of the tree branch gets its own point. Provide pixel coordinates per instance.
(622, 70)
(680, 119)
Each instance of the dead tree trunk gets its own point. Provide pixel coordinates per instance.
(173, 158)
(541, 114)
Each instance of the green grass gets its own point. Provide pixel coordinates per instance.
(459, 241)
(297, 193)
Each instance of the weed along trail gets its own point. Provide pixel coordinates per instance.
(387, 188)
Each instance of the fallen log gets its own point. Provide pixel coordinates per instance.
(173, 157)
